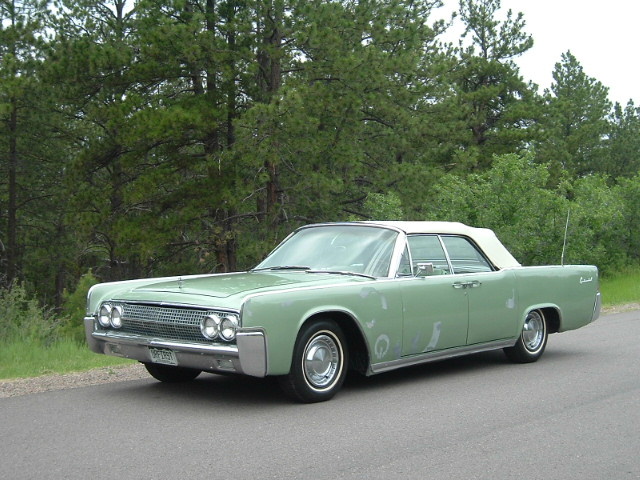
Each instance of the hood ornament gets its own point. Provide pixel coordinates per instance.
(180, 283)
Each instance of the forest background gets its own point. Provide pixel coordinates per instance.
(146, 138)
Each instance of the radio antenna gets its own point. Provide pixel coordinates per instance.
(564, 243)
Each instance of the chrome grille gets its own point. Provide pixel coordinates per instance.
(173, 323)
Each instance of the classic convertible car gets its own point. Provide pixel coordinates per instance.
(368, 296)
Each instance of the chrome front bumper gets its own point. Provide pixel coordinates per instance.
(248, 356)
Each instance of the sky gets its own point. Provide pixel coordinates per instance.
(604, 36)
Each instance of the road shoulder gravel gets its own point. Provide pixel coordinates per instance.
(97, 376)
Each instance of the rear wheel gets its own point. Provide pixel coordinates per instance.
(170, 374)
(532, 341)
(319, 363)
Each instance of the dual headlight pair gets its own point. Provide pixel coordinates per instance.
(110, 316)
(223, 326)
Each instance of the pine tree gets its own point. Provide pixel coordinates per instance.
(497, 105)
(623, 143)
(575, 122)
(24, 185)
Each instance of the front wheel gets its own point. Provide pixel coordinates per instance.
(532, 341)
(170, 374)
(319, 363)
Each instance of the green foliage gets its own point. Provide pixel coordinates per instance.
(497, 107)
(575, 121)
(387, 206)
(624, 142)
(74, 309)
(512, 198)
(380, 206)
(29, 166)
(23, 319)
(627, 241)
(595, 223)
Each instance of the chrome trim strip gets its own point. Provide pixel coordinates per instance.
(440, 355)
(446, 255)
(172, 305)
(396, 255)
(597, 307)
(350, 224)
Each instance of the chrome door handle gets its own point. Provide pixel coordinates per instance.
(473, 284)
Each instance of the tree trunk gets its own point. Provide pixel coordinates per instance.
(12, 214)
(269, 82)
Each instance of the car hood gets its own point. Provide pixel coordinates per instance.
(223, 287)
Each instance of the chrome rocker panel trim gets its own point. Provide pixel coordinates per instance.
(248, 356)
(439, 355)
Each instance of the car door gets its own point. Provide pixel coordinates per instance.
(435, 313)
(491, 293)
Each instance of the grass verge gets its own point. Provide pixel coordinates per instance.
(621, 289)
(23, 358)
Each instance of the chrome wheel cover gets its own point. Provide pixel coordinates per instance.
(533, 332)
(322, 360)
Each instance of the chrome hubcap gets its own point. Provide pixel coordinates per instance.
(533, 331)
(321, 361)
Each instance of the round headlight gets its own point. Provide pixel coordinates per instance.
(104, 316)
(210, 326)
(116, 316)
(228, 327)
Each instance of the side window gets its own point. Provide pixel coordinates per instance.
(464, 256)
(428, 249)
(404, 270)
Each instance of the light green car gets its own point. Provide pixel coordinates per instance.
(368, 296)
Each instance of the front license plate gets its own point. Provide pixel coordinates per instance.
(162, 355)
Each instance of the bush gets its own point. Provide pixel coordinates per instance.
(379, 206)
(513, 199)
(23, 319)
(74, 308)
(595, 224)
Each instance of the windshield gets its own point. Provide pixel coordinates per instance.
(336, 248)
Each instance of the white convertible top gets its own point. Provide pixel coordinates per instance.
(483, 237)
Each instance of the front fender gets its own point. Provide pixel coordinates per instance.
(373, 307)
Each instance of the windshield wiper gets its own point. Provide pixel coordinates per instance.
(282, 267)
(342, 272)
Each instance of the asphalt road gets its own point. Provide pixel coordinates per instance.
(575, 414)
